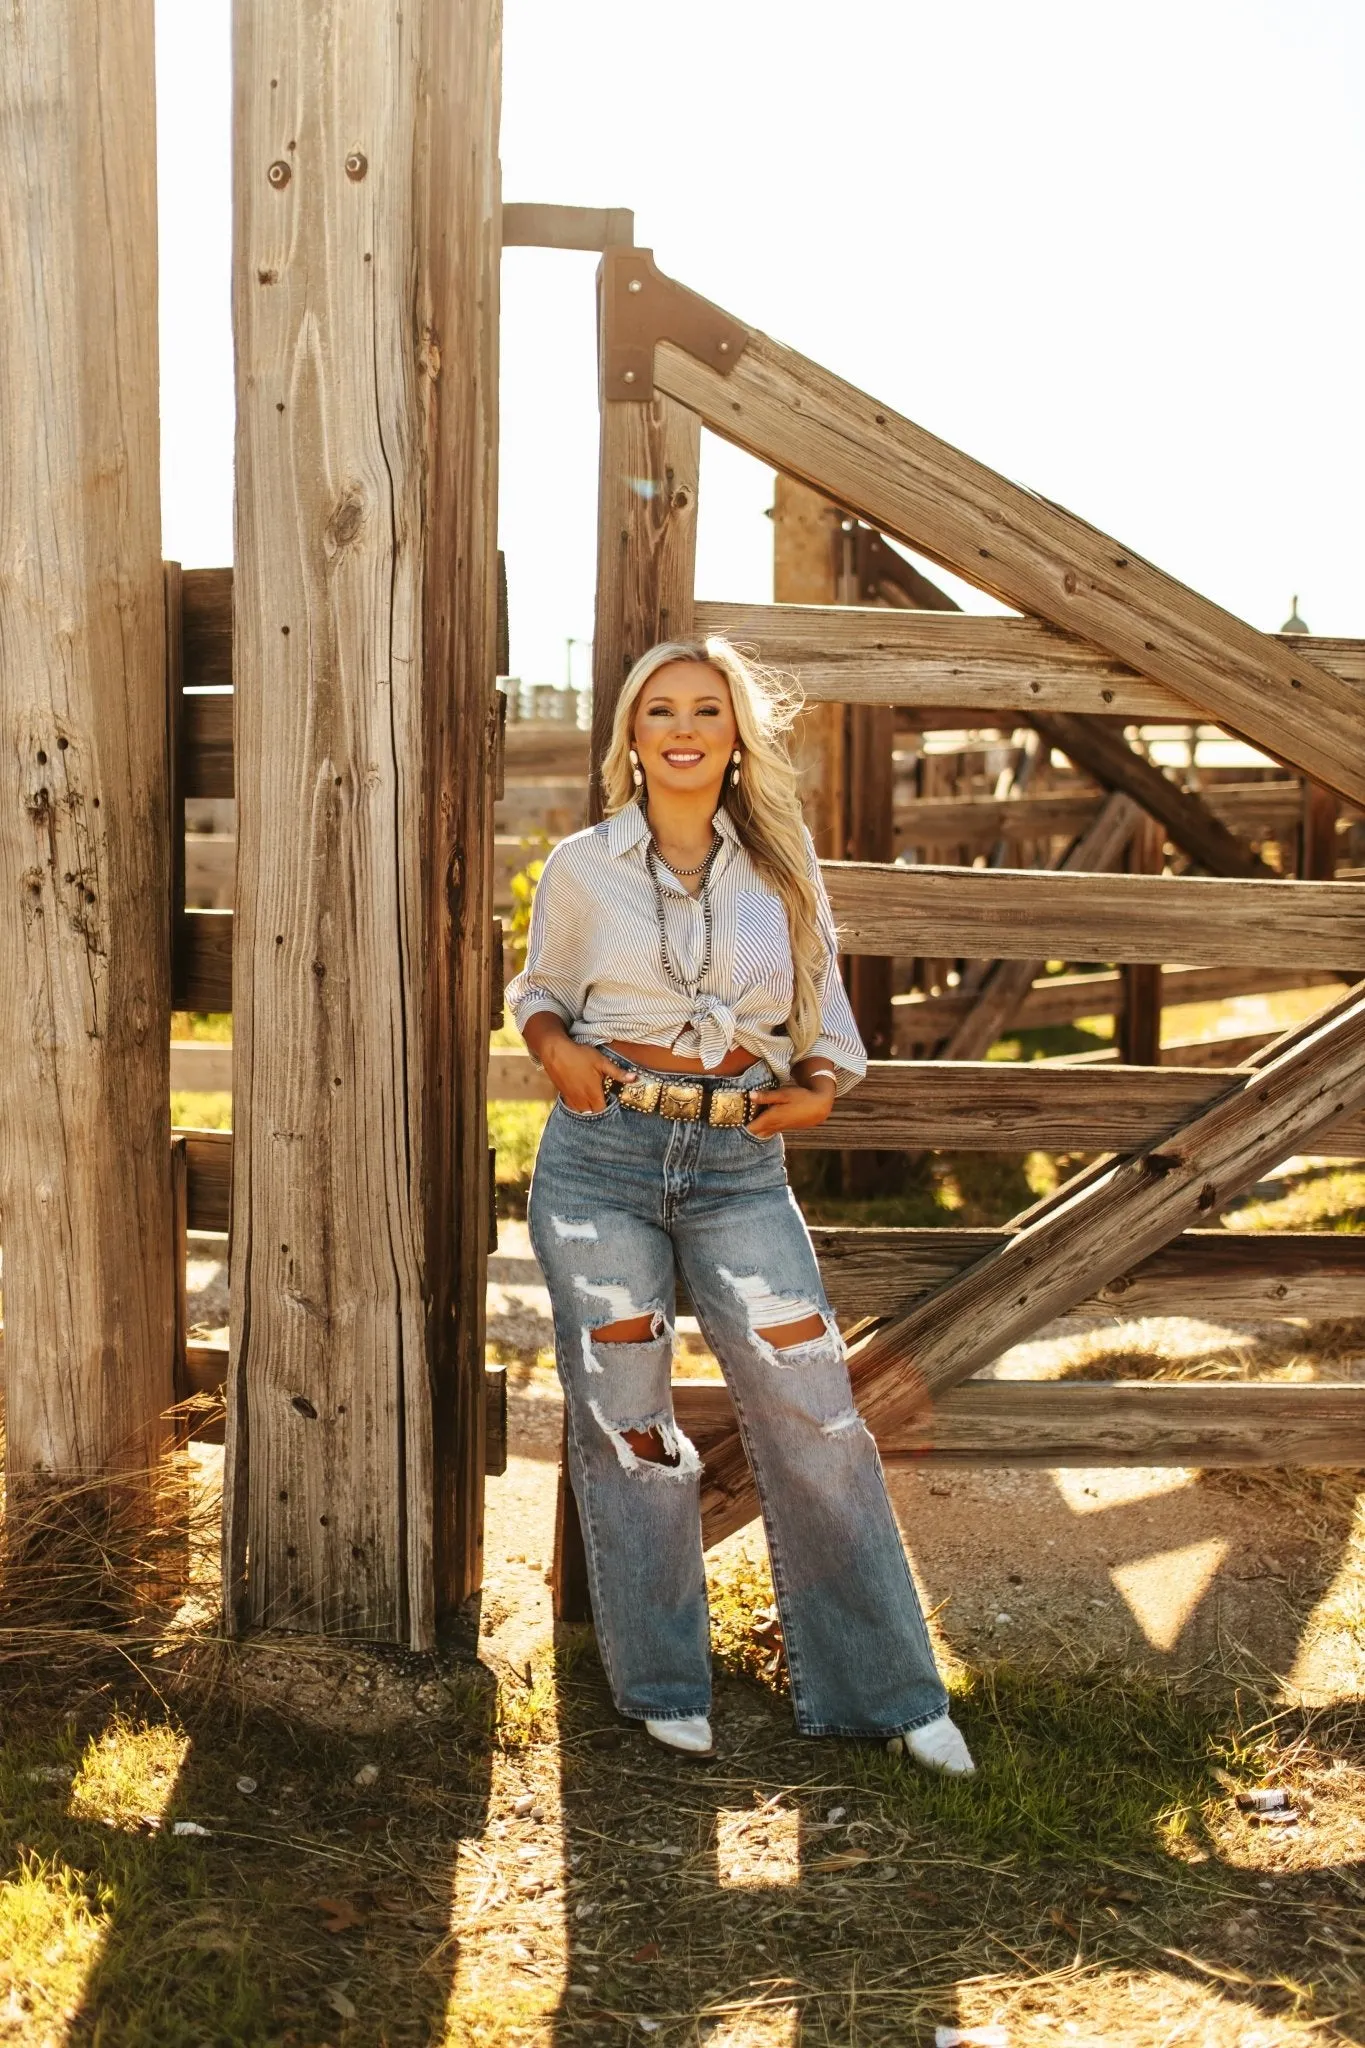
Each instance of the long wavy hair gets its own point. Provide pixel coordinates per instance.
(763, 806)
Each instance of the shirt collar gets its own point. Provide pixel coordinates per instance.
(629, 827)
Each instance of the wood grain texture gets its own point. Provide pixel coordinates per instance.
(1102, 751)
(649, 456)
(528, 226)
(985, 664)
(85, 1160)
(1260, 809)
(1013, 914)
(1056, 1423)
(364, 630)
(806, 534)
(1025, 551)
(1062, 998)
(1128, 1212)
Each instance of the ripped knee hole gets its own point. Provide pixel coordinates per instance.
(649, 1446)
(630, 1330)
(785, 1335)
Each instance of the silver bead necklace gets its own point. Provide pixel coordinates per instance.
(671, 974)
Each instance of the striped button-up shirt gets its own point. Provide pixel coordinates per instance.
(594, 958)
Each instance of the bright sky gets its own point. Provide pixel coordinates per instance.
(1115, 252)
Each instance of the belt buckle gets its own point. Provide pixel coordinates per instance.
(639, 1094)
(730, 1107)
(681, 1100)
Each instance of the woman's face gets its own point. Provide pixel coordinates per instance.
(685, 729)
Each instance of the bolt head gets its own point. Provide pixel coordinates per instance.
(356, 166)
(627, 376)
(279, 174)
(635, 285)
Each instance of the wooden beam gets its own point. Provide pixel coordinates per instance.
(986, 1105)
(1074, 1246)
(366, 196)
(1006, 983)
(1010, 914)
(528, 226)
(992, 667)
(806, 536)
(1139, 1017)
(1101, 751)
(649, 456)
(1269, 809)
(85, 1161)
(1025, 551)
(1317, 847)
(1062, 998)
(1058, 1423)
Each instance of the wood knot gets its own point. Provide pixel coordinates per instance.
(1208, 1195)
(304, 1406)
(1158, 1164)
(346, 520)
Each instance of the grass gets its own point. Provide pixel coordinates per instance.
(1096, 1871)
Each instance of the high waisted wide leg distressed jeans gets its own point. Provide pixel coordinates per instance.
(615, 1199)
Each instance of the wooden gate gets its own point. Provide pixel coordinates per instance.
(1103, 641)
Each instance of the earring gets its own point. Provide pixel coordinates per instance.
(736, 757)
(636, 771)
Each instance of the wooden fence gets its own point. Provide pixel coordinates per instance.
(1105, 642)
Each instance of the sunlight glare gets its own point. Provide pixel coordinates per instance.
(757, 1847)
(1087, 1491)
(1162, 1591)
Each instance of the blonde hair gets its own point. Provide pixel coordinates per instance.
(764, 805)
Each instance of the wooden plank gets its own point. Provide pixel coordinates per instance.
(1063, 998)
(1058, 1423)
(545, 748)
(207, 600)
(1007, 982)
(991, 667)
(208, 743)
(983, 1106)
(1139, 1016)
(211, 867)
(1238, 1274)
(1101, 751)
(208, 1157)
(1012, 914)
(85, 1174)
(1025, 551)
(649, 456)
(1317, 848)
(365, 642)
(1260, 809)
(203, 969)
(1073, 1246)
(528, 226)
(806, 536)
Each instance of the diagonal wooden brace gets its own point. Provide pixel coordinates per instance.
(1074, 1248)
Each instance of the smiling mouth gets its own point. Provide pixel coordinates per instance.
(682, 757)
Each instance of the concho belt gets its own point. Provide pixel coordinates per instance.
(705, 1100)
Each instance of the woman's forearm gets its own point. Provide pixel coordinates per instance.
(541, 1029)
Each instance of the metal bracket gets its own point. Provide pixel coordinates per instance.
(637, 307)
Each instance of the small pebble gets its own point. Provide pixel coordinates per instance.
(368, 1774)
(895, 1747)
(523, 1803)
(1003, 1620)
(836, 1813)
(246, 1785)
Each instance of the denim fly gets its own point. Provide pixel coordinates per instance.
(616, 1199)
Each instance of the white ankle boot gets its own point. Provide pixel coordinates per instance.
(692, 1735)
(939, 1746)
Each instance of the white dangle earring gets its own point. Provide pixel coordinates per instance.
(736, 757)
(636, 771)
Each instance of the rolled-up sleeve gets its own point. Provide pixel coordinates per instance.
(840, 1041)
(554, 975)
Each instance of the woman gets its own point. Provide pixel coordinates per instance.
(682, 992)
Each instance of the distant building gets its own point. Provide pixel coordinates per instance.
(1294, 624)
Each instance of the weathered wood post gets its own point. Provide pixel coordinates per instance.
(365, 297)
(85, 1158)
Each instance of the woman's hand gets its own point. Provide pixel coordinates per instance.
(800, 1106)
(579, 1072)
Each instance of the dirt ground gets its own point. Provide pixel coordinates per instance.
(319, 1845)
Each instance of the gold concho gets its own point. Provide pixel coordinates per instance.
(728, 1106)
(642, 1095)
(681, 1100)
